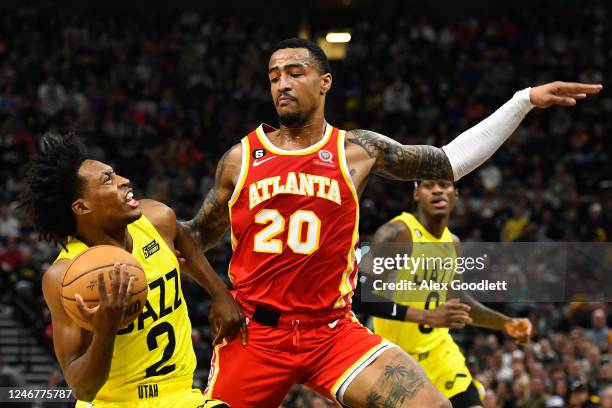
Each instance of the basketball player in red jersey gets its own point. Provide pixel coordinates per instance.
(290, 197)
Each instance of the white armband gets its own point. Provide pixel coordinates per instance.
(474, 146)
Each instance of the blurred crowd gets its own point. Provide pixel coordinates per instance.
(162, 96)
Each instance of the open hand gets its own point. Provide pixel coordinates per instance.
(520, 329)
(561, 93)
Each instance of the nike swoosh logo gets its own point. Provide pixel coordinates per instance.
(257, 162)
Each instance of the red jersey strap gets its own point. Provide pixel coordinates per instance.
(259, 140)
(244, 167)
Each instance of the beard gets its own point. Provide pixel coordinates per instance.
(290, 119)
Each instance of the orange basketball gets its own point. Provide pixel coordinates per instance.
(81, 277)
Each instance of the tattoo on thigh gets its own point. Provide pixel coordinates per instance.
(397, 384)
(374, 400)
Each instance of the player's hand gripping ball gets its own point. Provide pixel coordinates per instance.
(124, 290)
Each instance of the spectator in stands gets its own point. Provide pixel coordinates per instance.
(10, 256)
(579, 396)
(599, 331)
(537, 393)
(555, 401)
(513, 227)
(52, 97)
(9, 224)
(606, 397)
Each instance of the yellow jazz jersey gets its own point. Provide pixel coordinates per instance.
(153, 356)
(412, 337)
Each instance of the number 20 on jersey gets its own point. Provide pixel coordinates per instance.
(298, 241)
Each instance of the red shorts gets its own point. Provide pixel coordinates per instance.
(326, 357)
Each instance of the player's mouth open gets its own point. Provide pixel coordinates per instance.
(439, 202)
(129, 198)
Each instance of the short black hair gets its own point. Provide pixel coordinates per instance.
(52, 185)
(316, 52)
(417, 183)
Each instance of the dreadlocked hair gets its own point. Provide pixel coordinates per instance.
(52, 185)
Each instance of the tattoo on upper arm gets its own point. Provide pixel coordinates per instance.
(388, 232)
(397, 384)
(402, 162)
(211, 220)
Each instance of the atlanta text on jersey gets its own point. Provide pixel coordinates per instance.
(299, 184)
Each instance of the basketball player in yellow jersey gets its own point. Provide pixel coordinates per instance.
(150, 362)
(424, 331)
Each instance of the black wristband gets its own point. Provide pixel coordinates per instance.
(391, 311)
(381, 307)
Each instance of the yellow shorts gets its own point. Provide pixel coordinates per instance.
(190, 398)
(445, 367)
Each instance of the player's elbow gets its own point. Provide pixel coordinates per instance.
(190, 226)
(85, 390)
(193, 228)
(85, 393)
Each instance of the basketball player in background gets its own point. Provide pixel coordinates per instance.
(419, 322)
(290, 197)
(78, 203)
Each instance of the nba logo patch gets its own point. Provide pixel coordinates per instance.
(325, 156)
(418, 233)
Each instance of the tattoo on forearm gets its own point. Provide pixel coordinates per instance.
(211, 221)
(398, 384)
(401, 162)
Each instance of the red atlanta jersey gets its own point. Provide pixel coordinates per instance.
(294, 225)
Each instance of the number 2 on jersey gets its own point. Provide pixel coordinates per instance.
(306, 244)
(152, 344)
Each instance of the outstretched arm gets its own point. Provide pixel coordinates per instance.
(212, 220)
(469, 150)
(402, 162)
(482, 316)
